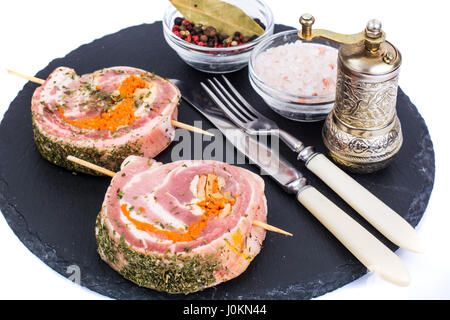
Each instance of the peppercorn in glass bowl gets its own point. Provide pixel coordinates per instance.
(218, 59)
(296, 79)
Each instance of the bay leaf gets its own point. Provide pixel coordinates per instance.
(225, 17)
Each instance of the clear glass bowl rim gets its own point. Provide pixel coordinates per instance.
(286, 96)
(207, 50)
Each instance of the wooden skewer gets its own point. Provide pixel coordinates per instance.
(190, 128)
(270, 228)
(21, 75)
(91, 166)
(111, 174)
(174, 122)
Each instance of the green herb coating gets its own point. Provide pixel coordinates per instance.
(56, 151)
(169, 272)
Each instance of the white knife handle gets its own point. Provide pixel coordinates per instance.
(362, 244)
(383, 218)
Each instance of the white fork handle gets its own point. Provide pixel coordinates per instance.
(362, 244)
(383, 218)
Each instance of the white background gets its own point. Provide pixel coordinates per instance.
(32, 33)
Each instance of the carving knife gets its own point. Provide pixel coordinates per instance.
(371, 252)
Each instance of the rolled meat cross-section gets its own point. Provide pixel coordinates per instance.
(103, 117)
(183, 226)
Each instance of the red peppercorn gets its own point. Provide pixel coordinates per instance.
(177, 33)
(200, 43)
(188, 38)
(175, 28)
(186, 23)
(195, 39)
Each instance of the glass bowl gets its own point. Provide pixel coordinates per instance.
(294, 107)
(219, 60)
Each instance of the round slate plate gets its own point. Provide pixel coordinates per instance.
(53, 211)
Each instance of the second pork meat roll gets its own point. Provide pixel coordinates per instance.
(182, 226)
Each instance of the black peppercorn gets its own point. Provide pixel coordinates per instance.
(237, 34)
(210, 31)
(197, 29)
(222, 37)
(178, 21)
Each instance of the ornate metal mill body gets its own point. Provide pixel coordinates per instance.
(362, 132)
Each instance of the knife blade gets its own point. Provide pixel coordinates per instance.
(362, 244)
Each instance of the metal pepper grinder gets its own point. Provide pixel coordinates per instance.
(362, 132)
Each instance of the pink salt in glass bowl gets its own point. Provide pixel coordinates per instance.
(295, 106)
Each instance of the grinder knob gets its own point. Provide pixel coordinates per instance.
(306, 20)
(373, 29)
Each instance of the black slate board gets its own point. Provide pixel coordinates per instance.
(53, 211)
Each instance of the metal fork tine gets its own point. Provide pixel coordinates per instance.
(241, 98)
(239, 109)
(230, 114)
(226, 102)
